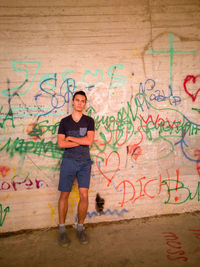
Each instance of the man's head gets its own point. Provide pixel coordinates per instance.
(79, 101)
(80, 93)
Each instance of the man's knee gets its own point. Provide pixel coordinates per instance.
(64, 196)
(83, 195)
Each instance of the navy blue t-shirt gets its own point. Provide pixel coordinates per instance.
(76, 129)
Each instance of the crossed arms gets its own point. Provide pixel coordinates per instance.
(70, 141)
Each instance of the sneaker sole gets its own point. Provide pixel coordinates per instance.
(64, 245)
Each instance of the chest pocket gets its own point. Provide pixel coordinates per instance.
(83, 131)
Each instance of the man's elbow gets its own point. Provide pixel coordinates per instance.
(91, 142)
(60, 145)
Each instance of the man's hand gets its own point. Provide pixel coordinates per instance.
(64, 142)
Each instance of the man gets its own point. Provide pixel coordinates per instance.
(75, 134)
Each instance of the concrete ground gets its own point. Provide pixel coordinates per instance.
(160, 241)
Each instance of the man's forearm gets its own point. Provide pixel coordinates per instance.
(84, 141)
(67, 144)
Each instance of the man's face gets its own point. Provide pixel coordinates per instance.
(79, 103)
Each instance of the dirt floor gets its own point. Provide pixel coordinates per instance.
(160, 241)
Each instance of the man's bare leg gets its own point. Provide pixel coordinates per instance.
(62, 210)
(82, 212)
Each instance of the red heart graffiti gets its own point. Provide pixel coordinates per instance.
(193, 79)
(106, 164)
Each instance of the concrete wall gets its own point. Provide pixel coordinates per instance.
(139, 63)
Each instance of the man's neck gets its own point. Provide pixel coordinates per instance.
(76, 115)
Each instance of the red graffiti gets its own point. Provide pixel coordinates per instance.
(175, 247)
(135, 151)
(196, 233)
(189, 81)
(197, 154)
(4, 170)
(103, 168)
(160, 121)
(27, 184)
(145, 186)
(124, 193)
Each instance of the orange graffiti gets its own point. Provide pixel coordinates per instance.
(135, 151)
(33, 130)
(4, 170)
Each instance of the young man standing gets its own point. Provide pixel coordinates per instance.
(75, 134)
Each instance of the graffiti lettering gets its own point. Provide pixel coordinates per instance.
(175, 247)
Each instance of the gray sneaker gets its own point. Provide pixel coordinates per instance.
(63, 240)
(82, 237)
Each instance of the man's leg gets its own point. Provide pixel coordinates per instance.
(82, 205)
(62, 210)
(63, 206)
(82, 212)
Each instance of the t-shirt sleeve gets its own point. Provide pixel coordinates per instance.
(91, 125)
(61, 129)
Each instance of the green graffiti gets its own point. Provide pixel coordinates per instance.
(117, 81)
(41, 128)
(98, 71)
(40, 148)
(7, 117)
(6, 92)
(2, 217)
(117, 126)
(171, 51)
(179, 189)
(120, 128)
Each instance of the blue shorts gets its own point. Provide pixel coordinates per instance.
(69, 170)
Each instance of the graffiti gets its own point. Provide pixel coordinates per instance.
(175, 247)
(178, 193)
(186, 127)
(189, 81)
(108, 211)
(40, 148)
(197, 154)
(7, 117)
(24, 184)
(57, 100)
(113, 172)
(118, 129)
(53, 212)
(26, 88)
(98, 73)
(184, 193)
(124, 132)
(4, 170)
(3, 217)
(171, 51)
(156, 95)
(35, 130)
(134, 151)
(196, 233)
(183, 144)
(117, 81)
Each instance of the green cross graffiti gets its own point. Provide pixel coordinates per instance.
(171, 51)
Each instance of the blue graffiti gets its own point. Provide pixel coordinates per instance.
(58, 100)
(108, 211)
(156, 95)
(183, 144)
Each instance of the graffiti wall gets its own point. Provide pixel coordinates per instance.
(139, 64)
